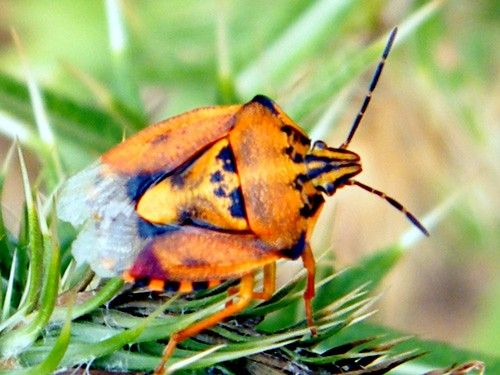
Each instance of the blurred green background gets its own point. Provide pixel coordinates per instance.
(431, 132)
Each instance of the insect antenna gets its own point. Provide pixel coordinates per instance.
(371, 88)
(393, 203)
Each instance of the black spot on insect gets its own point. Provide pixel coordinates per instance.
(217, 176)
(236, 208)
(200, 224)
(178, 180)
(159, 139)
(150, 230)
(312, 158)
(338, 183)
(287, 130)
(220, 192)
(200, 285)
(297, 249)
(266, 102)
(288, 150)
(311, 206)
(298, 158)
(141, 283)
(301, 138)
(226, 156)
(137, 185)
(293, 154)
(184, 217)
(316, 172)
(194, 262)
(302, 177)
(297, 137)
(298, 182)
(297, 185)
(171, 286)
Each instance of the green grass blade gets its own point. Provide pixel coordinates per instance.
(133, 361)
(438, 354)
(83, 352)
(7, 301)
(126, 87)
(53, 360)
(50, 154)
(92, 130)
(54, 357)
(225, 80)
(333, 79)
(46, 285)
(192, 360)
(369, 271)
(50, 284)
(323, 17)
(15, 129)
(104, 294)
(35, 239)
(108, 101)
(6, 247)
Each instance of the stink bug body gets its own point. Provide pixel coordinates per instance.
(212, 194)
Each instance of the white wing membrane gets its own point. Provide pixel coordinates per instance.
(96, 199)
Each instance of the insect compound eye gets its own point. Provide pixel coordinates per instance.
(319, 145)
(330, 188)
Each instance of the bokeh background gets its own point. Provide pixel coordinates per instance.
(431, 134)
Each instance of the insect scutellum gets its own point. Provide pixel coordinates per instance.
(330, 168)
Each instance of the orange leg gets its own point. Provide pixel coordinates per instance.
(269, 283)
(310, 265)
(245, 297)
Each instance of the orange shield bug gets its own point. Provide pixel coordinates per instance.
(212, 194)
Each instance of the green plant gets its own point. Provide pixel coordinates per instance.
(55, 314)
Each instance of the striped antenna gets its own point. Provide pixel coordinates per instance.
(392, 202)
(373, 84)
